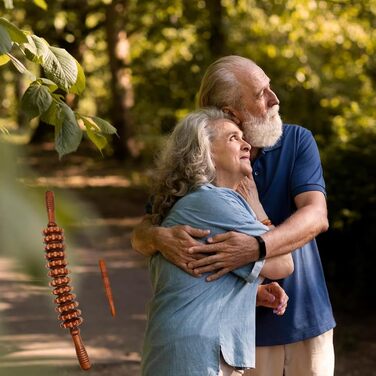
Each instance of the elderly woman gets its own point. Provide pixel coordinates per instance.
(197, 327)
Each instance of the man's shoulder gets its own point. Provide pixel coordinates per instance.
(294, 134)
(290, 130)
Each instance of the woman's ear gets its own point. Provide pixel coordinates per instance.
(232, 114)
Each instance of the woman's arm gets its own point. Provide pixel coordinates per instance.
(278, 267)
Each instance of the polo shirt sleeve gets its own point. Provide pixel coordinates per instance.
(307, 174)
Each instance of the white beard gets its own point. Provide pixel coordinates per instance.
(263, 132)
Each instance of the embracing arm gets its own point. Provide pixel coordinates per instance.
(309, 220)
(172, 242)
(233, 250)
(144, 236)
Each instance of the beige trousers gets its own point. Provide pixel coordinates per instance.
(312, 357)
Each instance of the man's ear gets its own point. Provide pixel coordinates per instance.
(232, 113)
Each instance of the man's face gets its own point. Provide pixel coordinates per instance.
(261, 123)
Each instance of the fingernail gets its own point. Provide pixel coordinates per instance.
(209, 240)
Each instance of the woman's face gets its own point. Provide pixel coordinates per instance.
(230, 154)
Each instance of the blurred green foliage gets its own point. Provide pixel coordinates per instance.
(149, 56)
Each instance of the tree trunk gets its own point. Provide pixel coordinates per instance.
(121, 79)
(217, 40)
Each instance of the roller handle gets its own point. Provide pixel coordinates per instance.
(50, 204)
(82, 356)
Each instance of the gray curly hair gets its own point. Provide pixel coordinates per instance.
(186, 162)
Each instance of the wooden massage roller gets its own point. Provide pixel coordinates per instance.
(67, 306)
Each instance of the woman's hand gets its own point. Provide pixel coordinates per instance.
(247, 188)
(272, 295)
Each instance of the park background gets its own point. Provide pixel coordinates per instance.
(143, 62)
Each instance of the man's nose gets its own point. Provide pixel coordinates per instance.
(272, 99)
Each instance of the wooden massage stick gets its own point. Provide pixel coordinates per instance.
(67, 306)
(107, 286)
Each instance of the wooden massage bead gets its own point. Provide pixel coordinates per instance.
(66, 307)
(59, 281)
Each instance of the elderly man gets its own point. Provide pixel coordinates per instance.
(288, 174)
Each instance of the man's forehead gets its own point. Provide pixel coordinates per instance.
(255, 77)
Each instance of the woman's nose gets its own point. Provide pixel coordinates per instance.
(246, 146)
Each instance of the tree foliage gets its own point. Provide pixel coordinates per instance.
(45, 96)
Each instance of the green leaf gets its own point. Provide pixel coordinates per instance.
(80, 83)
(68, 134)
(92, 130)
(36, 100)
(50, 84)
(4, 59)
(103, 125)
(53, 115)
(20, 67)
(31, 49)
(5, 41)
(59, 66)
(14, 32)
(41, 4)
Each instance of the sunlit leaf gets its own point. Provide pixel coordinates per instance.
(5, 41)
(93, 132)
(80, 83)
(20, 67)
(103, 125)
(41, 4)
(61, 68)
(36, 100)
(14, 32)
(3, 130)
(31, 49)
(4, 59)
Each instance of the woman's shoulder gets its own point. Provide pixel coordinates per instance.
(209, 195)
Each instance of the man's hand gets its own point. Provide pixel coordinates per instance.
(231, 250)
(272, 295)
(174, 242)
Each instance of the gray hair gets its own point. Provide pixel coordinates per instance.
(220, 84)
(186, 162)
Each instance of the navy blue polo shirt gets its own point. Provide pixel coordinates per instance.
(281, 172)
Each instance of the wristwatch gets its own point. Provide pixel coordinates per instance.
(262, 247)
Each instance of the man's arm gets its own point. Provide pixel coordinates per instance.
(172, 242)
(233, 250)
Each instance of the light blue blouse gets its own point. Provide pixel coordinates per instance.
(191, 321)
